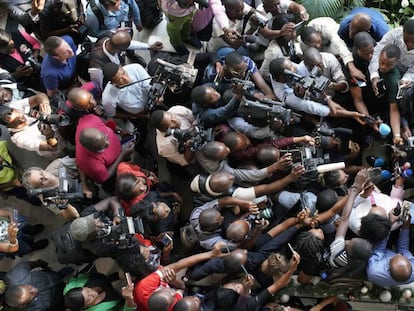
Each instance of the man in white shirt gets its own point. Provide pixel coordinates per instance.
(126, 95)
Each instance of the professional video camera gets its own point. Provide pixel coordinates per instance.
(54, 118)
(194, 138)
(171, 76)
(122, 233)
(314, 158)
(30, 60)
(68, 189)
(314, 85)
(266, 112)
(261, 19)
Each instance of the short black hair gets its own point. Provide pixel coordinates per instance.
(306, 34)
(226, 298)
(326, 199)
(74, 299)
(277, 67)
(156, 118)
(198, 95)
(4, 110)
(374, 227)
(362, 40)
(409, 26)
(392, 51)
(233, 59)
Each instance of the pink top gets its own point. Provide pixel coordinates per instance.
(96, 164)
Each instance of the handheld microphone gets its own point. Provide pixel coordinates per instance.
(384, 129)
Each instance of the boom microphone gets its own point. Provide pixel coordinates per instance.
(330, 167)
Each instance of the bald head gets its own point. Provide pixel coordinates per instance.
(215, 150)
(237, 231)
(79, 98)
(268, 155)
(93, 139)
(221, 182)
(360, 22)
(233, 262)
(120, 40)
(210, 219)
(236, 141)
(400, 268)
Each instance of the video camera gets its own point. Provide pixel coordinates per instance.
(313, 158)
(266, 112)
(261, 19)
(68, 189)
(30, 60)
(194, 138)
(403, 210)
(122, 233)
(314, 85)
(172, 76)
(54, 118)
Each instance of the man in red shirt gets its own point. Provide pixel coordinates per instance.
(98, 149)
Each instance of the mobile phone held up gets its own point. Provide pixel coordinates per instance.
(166, 239)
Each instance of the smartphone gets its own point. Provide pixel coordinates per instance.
(15, 215)
(401, 92)
(128, 138)
(381, 88)
(299, 25)
(166, 239)
(289, 252)
(361, 83)
(128, 278)
(296, 155)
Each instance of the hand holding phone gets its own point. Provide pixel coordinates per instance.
(166, 239)
(128, 278)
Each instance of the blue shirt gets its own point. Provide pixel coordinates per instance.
(378, 264)
(210, 74)
(112, 20)
(379, 26)
(57, 75)
(211, 116)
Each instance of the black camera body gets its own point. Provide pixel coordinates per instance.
(194, 138)
(32, 62)
(266, 112)
(54, 118)
(68, 189)
(175, 77)
(314, 85)
(122, 233)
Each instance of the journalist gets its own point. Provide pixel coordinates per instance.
(280, 78)
(35, 179)
(31, 134)
(19, 55)
(177, 117)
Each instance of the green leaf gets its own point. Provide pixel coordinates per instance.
(319, 8)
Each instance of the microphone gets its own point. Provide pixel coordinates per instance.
(330, 167)
(379, 162)
(376, 175)
(384, 129)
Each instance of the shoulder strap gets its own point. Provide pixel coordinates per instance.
(245, 20)
(98, 13)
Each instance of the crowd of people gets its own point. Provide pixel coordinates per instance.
(262, 118)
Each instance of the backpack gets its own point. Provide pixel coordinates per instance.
(69, 250)
(150, 12)
(82, 60)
